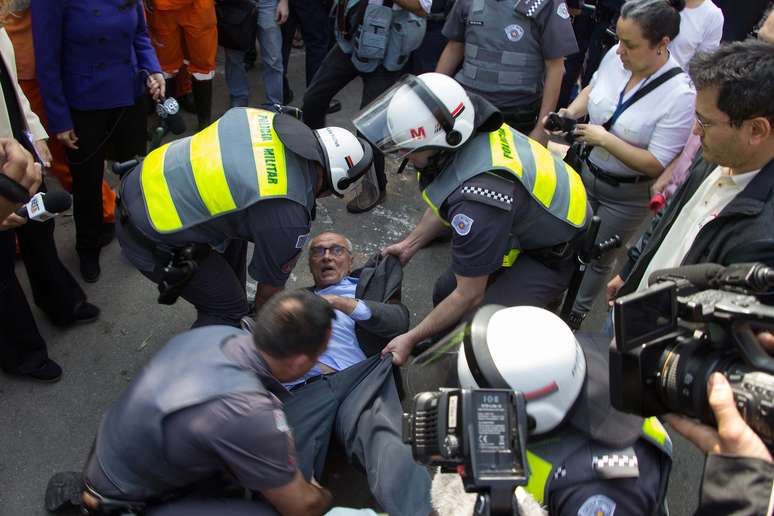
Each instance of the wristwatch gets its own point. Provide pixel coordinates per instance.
(12, 190)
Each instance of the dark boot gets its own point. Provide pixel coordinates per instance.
(202, 92)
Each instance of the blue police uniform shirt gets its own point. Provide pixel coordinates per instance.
(343, 348)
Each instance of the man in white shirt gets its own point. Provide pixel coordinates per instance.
(724, 211)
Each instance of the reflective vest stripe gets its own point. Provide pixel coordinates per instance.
(269, 155)
(510, 257)
(207, 168)
(434, 207)
(161, 209)
(503, 150)
(576, 209)
(545, 173)
(655, 432)
(539, 471)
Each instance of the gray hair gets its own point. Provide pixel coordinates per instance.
(658, 19)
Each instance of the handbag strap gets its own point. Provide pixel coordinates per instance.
(658, 81)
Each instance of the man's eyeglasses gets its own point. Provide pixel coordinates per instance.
(705, 124)
(318, 251)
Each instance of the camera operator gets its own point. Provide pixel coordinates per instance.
(738, 462)
(584, 456)
(723, 212)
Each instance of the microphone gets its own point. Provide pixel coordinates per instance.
(169, 111)
(749, 276)
(45, 206)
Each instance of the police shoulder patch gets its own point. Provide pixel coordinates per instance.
(597, 505)
(487, 195)
(462, 224)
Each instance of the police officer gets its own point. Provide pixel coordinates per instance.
(188, 210)
(514, 208)
(206, 405)
(374, 39)
(512, 53)
(585, 458)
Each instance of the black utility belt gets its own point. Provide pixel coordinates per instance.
(614, 180)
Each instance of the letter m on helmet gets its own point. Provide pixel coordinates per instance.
(417, 133)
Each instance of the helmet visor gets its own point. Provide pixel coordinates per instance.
(437, 366)
(391, 123)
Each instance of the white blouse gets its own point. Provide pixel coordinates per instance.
(660, 122)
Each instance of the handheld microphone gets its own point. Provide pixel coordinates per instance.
(45, 206)
(749, 276)
(169, 111)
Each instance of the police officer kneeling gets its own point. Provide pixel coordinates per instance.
(189, 209)
(204, 407)
(585, 457)
(516, 210)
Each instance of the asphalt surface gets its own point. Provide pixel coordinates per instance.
(49, 428)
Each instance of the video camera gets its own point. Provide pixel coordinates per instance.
(691, 322)
(480, 434)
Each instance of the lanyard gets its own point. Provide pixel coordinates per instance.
(622, 106)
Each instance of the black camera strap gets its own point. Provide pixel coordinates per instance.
(623, 106)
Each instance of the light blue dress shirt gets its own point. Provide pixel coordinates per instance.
(343, 348)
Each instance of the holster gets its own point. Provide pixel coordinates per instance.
(179, 271)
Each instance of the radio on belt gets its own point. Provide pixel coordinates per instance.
(481, 434)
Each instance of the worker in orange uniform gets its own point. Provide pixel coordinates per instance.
(19, 28)
(186, 30)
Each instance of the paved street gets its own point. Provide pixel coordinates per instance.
(49, 428)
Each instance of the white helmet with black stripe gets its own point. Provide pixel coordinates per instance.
(431, 111)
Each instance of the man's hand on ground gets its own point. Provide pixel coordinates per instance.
(341, 303)
(400, 347)
(732, 437)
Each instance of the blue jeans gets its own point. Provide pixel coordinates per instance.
(270, 41)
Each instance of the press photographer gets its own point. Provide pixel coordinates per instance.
(583, 456)
(688, 345)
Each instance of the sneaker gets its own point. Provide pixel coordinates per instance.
(90, 269)
(64, 491)
(368, 197)
(47, 372)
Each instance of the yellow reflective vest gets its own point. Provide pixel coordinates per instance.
(553, 184)
(235, 162)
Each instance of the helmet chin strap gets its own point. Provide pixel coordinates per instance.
(435, 165)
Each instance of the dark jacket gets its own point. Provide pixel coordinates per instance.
(379, 287)
(742, 232)
(736, 485)
(90, 54)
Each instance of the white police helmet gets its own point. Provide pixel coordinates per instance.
(527, 349)
(347, 157)
(431, 111)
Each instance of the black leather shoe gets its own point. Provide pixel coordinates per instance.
(84, 313)
(47, 372)
(90, 270)
(64, 491)
(334, 106)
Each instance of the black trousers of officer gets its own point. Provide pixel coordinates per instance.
(334, 74)
(217, 290)
(529, 282)
(317, 31)
(425, 58)
(121, 131)
(55, 291)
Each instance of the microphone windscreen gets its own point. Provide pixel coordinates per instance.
(701, 275)
(57, 202)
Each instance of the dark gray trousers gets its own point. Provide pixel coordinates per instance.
(359, 407)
